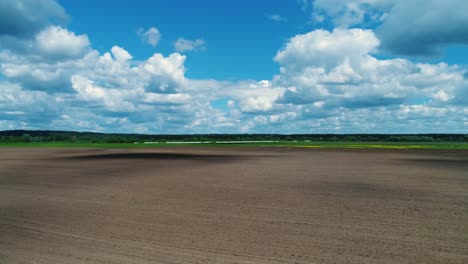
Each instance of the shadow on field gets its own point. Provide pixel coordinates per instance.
(156, 156)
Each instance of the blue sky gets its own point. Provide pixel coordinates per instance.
(355, 66)
(235, 31)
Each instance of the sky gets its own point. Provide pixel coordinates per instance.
(285, 66)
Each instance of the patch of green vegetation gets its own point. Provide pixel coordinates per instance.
(299, 144)
(374, 145)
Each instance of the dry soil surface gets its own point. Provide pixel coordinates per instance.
(233, 205)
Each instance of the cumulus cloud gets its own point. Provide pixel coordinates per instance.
(328, 81)
(58, 42)
(39, 74)
(338, 69)
(100, 92)
(183, 45)
(164, 75)
(31, 108)
(254, 97)
(150, 36)
(415, 28)
(324, 48)
(23, 18)
(120, 54)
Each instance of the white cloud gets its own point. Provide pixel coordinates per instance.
(329, 81)
(324, 48)
(120, 54)
(338, 69)
(150, 36)
(257, 98)
(165, 75)
(58, 42)
(28, 107)
(259, 103)
(183, 45)
(39, 74)
(416, 27)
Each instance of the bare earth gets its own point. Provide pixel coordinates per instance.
(233, 205)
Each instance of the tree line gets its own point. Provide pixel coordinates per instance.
(92, 137)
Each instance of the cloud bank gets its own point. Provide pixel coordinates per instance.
(411, 28)
(328, 82)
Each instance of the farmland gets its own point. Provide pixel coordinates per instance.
(285, 203)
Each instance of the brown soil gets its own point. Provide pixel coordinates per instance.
(233, 205)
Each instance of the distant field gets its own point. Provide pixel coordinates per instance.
(314, 144)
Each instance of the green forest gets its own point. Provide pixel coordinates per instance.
(17, 136)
